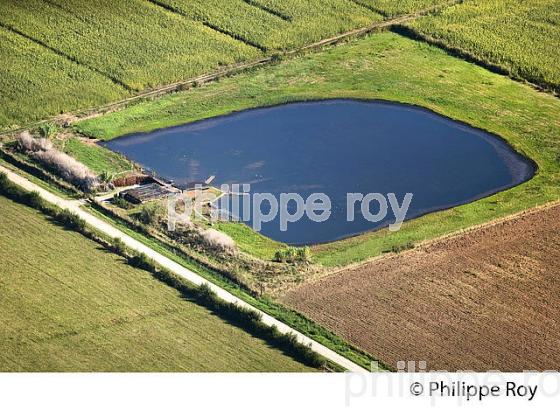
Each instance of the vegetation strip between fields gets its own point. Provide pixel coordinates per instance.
(190, 276)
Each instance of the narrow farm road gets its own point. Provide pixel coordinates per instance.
(74, 206)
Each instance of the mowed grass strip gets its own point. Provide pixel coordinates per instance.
(134, 42)
(519, 37)
(68, 305)
(391, 67)
(36, 82)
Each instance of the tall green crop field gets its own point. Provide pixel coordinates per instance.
(36, 83)
(520, 37)
(392, 8)
(276, 24)
(134, 43)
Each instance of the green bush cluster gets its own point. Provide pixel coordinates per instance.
(49, 130)
(292, 254)
(117, 246)
(148, 215)
(402, 247)
(70, 220)
(121, 202)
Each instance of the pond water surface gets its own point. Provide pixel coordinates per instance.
(335, 147)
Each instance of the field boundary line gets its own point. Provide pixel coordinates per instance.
(442, 238)
(60, 53)
(268, 10)
(206, 23)
(91, 112)
(189, 275)
(368, 7)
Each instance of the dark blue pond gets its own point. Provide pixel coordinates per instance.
(335, 147)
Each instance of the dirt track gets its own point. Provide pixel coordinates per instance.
(487, 299)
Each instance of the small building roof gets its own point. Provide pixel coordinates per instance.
(144, 193)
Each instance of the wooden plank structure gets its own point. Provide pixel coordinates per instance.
(192, 186)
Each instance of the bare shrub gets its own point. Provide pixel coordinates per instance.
(69, 169)
(64, 165)
(27, 143)
(218, 240)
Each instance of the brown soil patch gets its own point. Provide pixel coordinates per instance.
(484, 300)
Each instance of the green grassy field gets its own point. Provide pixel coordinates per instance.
(68, 305)
(520, 37)
(95, 157)
(385, 66)
(249, 242)
(65, 55)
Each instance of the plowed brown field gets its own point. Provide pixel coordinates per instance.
(483, 300)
